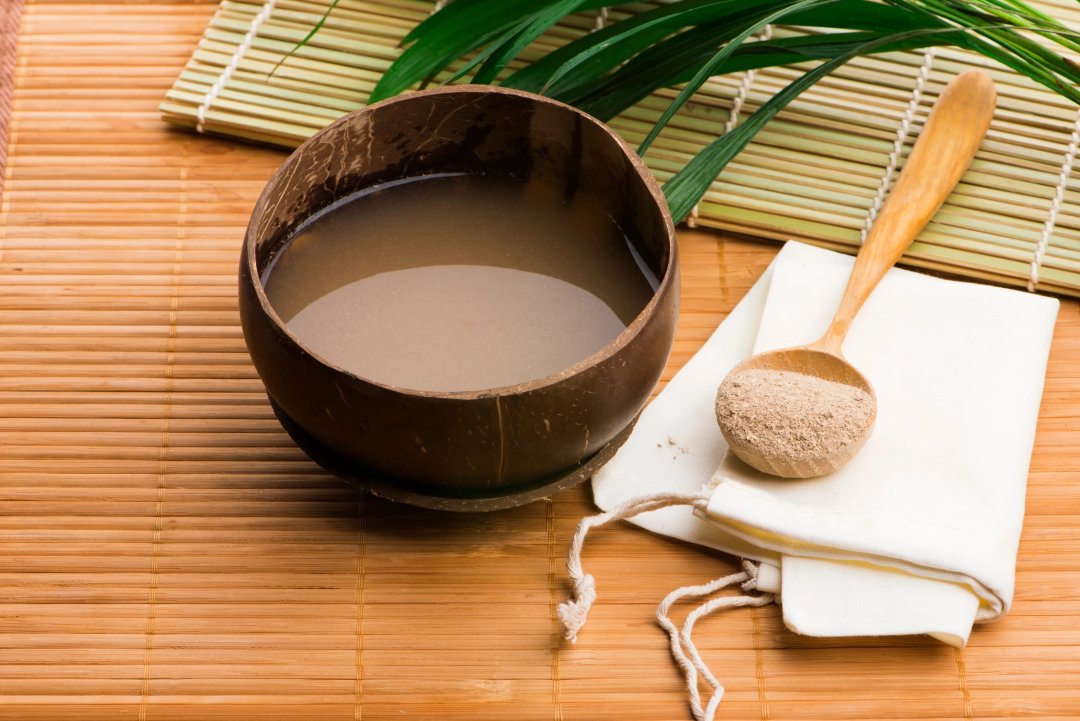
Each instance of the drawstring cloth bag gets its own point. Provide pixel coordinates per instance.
(918, 534)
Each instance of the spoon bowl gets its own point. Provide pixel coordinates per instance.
(805, 361)
(941, 155)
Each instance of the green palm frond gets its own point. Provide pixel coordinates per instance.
(682, 43)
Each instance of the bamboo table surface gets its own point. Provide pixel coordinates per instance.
(167, 553)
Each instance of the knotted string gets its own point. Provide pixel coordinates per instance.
(574, 612)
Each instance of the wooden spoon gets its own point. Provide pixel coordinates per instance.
(942, 153)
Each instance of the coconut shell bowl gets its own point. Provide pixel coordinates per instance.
(463, 450)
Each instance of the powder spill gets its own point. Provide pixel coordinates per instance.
(791, 417)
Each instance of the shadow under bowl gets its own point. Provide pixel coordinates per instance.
(475, 443)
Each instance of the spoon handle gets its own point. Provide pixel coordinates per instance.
(942, 153)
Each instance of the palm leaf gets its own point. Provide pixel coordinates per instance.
(306, 39)
(596, 54)
(686, 187)
(709, 69)
(518, 41)
(607, 48)
(682, 43)
(608, 95)
(440, 39)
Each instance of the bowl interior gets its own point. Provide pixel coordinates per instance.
(465, 129)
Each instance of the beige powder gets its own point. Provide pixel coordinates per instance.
(791, 416)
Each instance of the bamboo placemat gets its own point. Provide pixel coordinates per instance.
(166, 553)
(817, 173)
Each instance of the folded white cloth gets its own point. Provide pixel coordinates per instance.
(918, 534)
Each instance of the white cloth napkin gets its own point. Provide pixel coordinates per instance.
(918, 534)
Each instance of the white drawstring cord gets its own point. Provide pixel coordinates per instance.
(574, 612)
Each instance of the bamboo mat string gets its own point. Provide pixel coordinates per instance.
(736, 107)
(361, 583)
(759, 665)
(1055, 205)
(903, 131)
(151, 600)
(965, 692)
(233, 64)
(601, 19)
(556, 676)
(163, 450)
(155, 553)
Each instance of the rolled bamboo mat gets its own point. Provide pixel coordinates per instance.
(166, 553)
(817, 173)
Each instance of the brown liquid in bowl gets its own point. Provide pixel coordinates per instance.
(458, 282)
